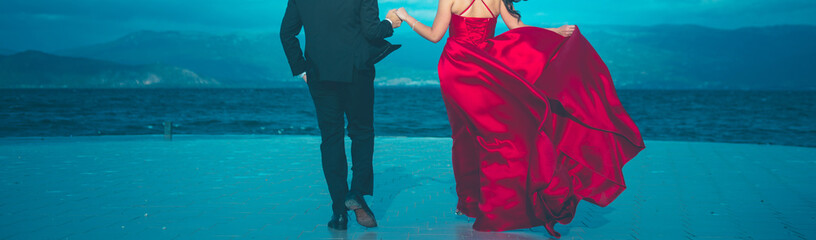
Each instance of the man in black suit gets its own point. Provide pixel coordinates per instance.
(343, 41)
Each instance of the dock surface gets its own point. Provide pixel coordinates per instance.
(272, 187)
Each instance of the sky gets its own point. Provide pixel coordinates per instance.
(51, 25)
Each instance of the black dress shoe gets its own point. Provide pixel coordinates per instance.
(364, 215)
(339, 221)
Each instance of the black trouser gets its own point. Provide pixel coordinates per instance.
(356, 100)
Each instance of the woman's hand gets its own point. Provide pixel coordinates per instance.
(395, 20)
(565, 30)
(402, 14)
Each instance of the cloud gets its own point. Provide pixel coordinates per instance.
(54, 24)
(49, 17)
(215, 12)
(715, 13)
(37, 24)
(426, 15)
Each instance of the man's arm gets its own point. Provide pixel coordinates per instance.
(373, 28)
(290, 28)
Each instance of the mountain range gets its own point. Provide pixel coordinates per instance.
(639, 57)
(235, 59)
(695, 57)
(33, 69)
(4, 51)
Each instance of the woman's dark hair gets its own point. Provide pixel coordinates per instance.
(511, 9)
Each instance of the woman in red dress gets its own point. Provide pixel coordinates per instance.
(536, 123)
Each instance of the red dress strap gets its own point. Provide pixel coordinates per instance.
(468, 8)
(488, 8)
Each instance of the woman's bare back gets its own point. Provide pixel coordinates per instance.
(478, 8)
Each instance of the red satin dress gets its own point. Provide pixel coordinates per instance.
(536, 125)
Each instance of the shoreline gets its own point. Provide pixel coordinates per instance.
(297, 84)
(774, 118)
(160, 137)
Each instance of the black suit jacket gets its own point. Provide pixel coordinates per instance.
(341, 36)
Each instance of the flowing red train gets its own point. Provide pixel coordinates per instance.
(536, 124)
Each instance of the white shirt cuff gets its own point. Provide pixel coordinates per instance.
(389, 21)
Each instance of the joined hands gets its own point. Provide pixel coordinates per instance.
(395, 20)
(401, 13)
(397, 16)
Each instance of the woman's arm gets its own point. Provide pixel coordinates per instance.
(511, 21)
(440, 24)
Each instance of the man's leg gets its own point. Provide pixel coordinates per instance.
(329, 98)
(360, 113)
